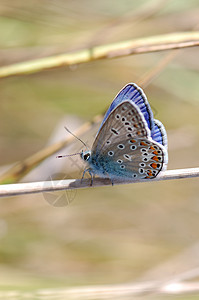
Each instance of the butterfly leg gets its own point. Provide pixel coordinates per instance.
(83, 176)
(112, 182)
(91, 174)
(86, 170)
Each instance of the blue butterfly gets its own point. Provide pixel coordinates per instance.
(130, 143)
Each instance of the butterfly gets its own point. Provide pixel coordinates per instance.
(130, 143)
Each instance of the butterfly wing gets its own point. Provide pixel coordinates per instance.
(124, 148)
(159, 134)
(134, 94)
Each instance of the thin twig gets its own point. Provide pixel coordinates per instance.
(149, 76)
(136, 46)
(71, 184)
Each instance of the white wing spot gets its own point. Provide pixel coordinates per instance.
(113, 130)
(127, 156)
(121, 146)
(110, 153)
(145, 159)
(142, 164)
(120, 161)
(133, 147)
(122, 167)
(141, 171)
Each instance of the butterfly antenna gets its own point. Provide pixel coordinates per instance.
(75, 137)
(60, 156)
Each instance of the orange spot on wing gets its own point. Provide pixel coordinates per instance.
(155, 158)
(154, 165)
(155, 152)
(143, 144)
(149, 173)
(152, 148)
(133, 141)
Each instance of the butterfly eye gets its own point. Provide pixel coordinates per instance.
(86, 156)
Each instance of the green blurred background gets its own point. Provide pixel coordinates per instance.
(108, 235)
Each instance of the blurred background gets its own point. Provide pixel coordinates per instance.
(109, 235)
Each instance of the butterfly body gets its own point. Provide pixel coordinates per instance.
(130, 143)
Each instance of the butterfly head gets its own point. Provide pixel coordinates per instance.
(85, 155)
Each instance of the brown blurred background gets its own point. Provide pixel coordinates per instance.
(110, 235)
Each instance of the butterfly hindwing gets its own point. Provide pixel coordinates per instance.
(159, 134)
(134, 158)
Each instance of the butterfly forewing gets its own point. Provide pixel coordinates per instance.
(124, 148)
(134, 94)
(124, 122)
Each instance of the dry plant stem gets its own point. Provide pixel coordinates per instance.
(137, 46)
(58, 185)
(150, 289)
(148, 77)
(125, 292)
